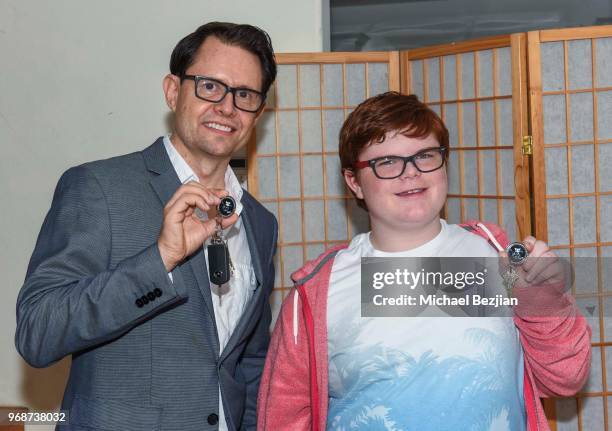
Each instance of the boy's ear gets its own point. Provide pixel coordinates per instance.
(351, 180)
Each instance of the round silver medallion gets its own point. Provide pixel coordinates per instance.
(517, 253)
(226, 207)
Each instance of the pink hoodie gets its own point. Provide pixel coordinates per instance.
(293, 391)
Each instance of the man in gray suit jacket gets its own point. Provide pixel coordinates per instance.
(119, 277)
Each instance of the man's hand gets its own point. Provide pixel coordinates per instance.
(182, 231)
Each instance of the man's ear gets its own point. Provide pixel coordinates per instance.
(171, 84)
(350, 177)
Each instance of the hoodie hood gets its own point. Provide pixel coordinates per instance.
(312, 267)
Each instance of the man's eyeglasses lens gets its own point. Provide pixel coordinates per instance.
(214, 91)
(393, 166)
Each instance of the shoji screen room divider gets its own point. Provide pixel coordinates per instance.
(530, 122)
(570, 76)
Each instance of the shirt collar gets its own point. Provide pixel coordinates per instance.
(186, 174)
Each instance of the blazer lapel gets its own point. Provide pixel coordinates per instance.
(254, 304)
(165, 184)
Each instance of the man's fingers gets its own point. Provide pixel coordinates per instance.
(227, 222)
(212, 196)
(187, 202)
(220, 193)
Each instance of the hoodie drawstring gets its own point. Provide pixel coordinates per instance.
(296, 297)
(490, 235)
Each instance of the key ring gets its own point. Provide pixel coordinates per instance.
(217, 237)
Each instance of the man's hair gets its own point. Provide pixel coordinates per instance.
(247, 37)
(387, 112)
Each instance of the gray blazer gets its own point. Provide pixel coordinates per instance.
(144, 349)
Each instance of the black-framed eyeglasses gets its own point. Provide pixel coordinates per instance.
(389, 167)
(213, 90)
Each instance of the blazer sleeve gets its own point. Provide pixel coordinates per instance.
(254, 356)
(71, 299)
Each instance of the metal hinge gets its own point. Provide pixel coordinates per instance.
(527, 145)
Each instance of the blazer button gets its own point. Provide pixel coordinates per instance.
(151, 296)
(139, 303)
(157, 292)
(144, 299)
(213, 419)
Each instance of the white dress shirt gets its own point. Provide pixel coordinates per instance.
(230, 299)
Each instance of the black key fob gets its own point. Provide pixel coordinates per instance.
(218, 263)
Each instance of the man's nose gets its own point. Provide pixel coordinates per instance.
(226, 105)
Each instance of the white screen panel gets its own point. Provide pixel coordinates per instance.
(579, 64)
(311, 131)
(604, 114)
(558, 228)
(467, 75)
(489, 172)
(470, 172)
(337, 219)
(289, 168)
(335, 180)
(433, 79)
(310, 85)
(468, 134)
(266, 177)
(293, 259)
(450, 77)
(453, 210)
(605, 165)
(266, 133)
(416, 81)
(553, 78)
(332, 85)
(470, 207)
(583, 174)
(314, 219)
(291, 216)
(553, 110)
(485, 73)
(333, 122)
(506, 130)
(487, 124)
(378, 78)
(603, 55)
(581, 117)
(556, 170)
(355, 83)
(504, 72)
(289, 140)
(313, 176)
(286, 86)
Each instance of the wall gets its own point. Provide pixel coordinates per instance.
(81, 80)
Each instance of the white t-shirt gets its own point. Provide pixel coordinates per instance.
(419, 373)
